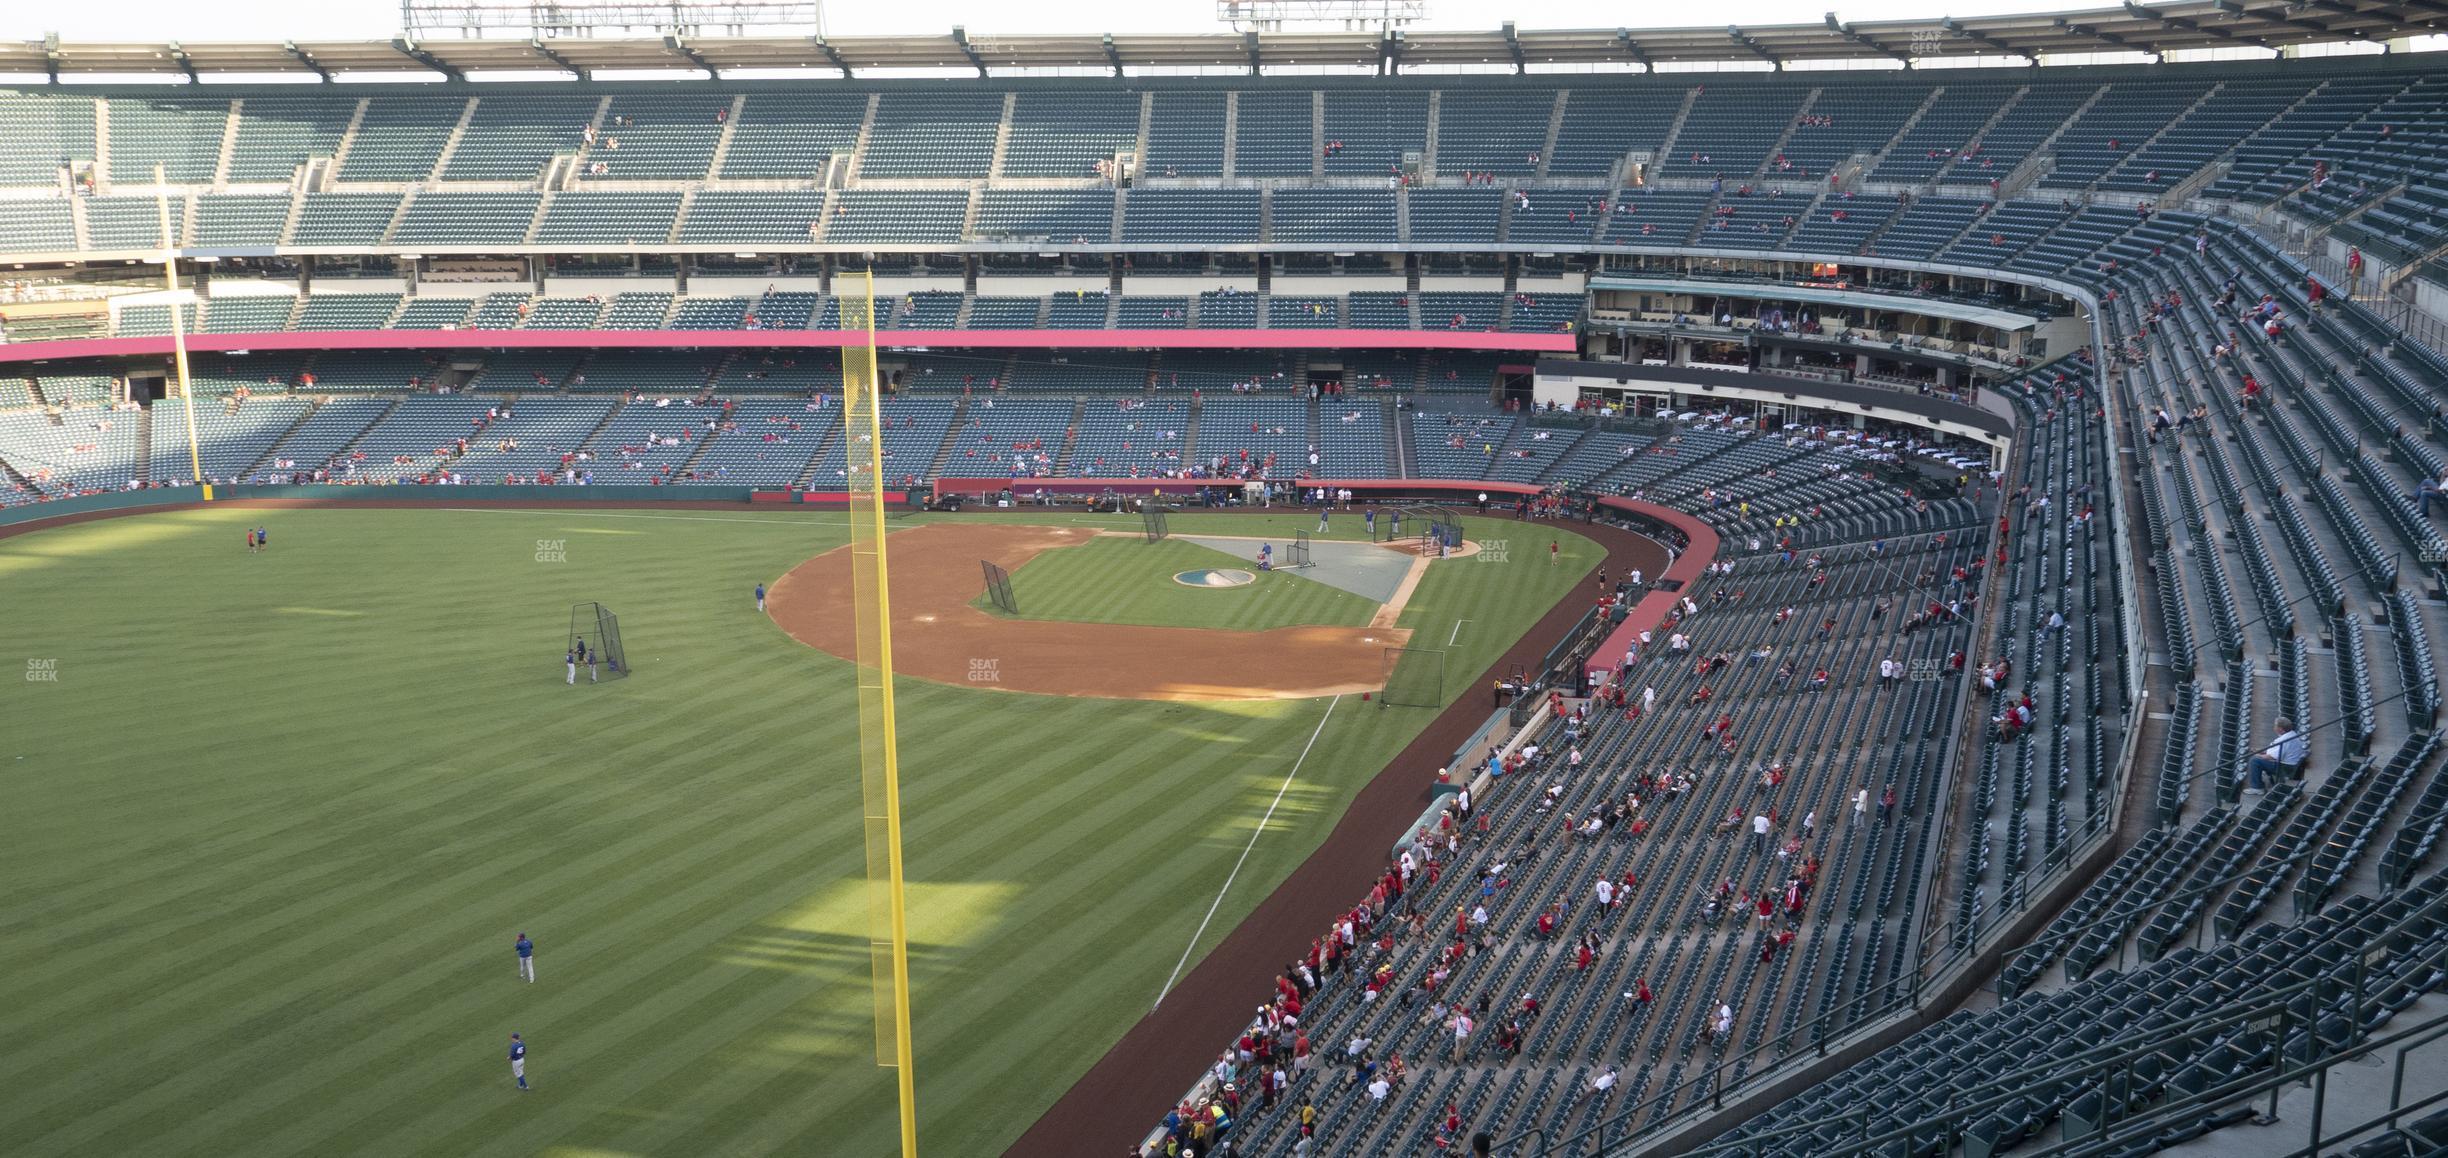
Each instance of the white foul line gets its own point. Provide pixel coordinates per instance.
(1457, 632)
(1245, 852)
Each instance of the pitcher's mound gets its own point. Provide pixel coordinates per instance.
(1214, 577)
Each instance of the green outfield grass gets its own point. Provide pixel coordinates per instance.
(1112, 579)
(271, 831)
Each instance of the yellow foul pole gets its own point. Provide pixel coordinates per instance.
(879, 748)
(178, 328)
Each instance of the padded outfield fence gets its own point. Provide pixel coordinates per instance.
(1414, 677)
(998, 588)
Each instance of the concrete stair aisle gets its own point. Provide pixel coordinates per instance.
(806, 477)
(866, 133)
(350, 447)
(1880, 158)
(2136, 151)
(76, 224)
(2047, 147)
(102, 144)
(1978, 135)
(1317, 135)
(1139, 143)
(1062, 460)
(1190, 431)
(348, 136)
(536, 223)
(1002, 143)
(943, 451)
(450, 145)
(1674, 129)
(398, 214)
(1802, 218)
(1428, 152)
(229, 146)
(603, 111)
(688, 201)
(144, 444)
(722, 141)
(1786, 138)
(289, 220)
(272, 454)
(1547, 147)
(1398, 441)
(587, 444)
(1232, 130)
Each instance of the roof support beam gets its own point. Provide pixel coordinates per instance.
(1389, 53)
(1249, 44)
(1512, 37)
(1743, 38)
(52, 56)
(2180, 23)
(960, 36)
(1113, 56)
(307, 58)
(1630, 47)
(2343, 9)
(559, 61)
(1846, 31)
(1987, 41)
(832, 55)
(185, 62)
(2106, 37)
(680, 46)
(408, 48)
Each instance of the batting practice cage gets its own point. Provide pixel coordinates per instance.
(1154, 515)
(1425, 527)
(998, 588)
(1414, 677)
(594, 627)
(1297, 555)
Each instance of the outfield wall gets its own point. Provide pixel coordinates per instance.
(85, 506)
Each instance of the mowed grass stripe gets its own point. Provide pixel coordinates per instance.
(352, 810)
(599, 929)
(282, 877)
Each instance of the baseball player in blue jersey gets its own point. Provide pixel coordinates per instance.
(518, 1060)
(526, 956)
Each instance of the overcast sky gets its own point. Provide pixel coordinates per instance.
(157, 20)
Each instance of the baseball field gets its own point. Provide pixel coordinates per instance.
(272, 822)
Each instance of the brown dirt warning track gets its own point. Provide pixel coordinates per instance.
(938, 635)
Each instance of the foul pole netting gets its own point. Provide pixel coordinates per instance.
(879, 752)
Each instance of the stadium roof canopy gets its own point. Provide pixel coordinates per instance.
(2156, 29)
